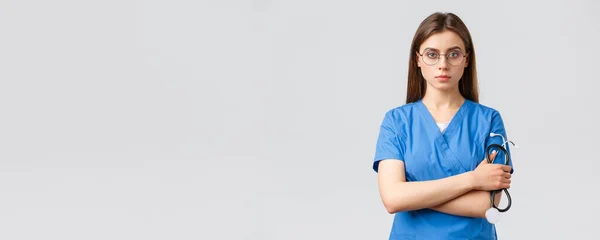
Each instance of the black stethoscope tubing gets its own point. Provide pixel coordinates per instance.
(506, 162)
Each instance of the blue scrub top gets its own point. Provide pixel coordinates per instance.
(409, 133)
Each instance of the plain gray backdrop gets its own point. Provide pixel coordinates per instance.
(258, 119)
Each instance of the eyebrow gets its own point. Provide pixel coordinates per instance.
(452, 48)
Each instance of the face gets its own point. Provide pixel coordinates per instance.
(443, 60)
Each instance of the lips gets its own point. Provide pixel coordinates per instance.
(443, 77)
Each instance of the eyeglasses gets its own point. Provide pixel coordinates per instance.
(453, 58)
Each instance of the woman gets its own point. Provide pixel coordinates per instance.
(430, 157)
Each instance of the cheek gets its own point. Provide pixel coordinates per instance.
(427, 72)
(459, 72)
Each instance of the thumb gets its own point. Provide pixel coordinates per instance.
(492, 156)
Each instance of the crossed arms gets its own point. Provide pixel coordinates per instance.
(466, 194)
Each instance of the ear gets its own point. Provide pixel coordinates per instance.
(466, 61)
(417, 59)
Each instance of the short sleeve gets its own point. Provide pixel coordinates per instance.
(389, 145)
(497, 127)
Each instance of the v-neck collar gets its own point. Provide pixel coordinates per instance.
(458, 116)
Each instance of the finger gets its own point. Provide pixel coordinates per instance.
(506, 180)
(507, 175)
(502, 184)
(506, 168)
(493, 155)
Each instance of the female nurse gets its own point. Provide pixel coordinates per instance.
(430, 155)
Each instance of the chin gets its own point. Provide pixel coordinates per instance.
(445, 86)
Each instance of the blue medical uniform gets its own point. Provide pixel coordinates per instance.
(409, 133)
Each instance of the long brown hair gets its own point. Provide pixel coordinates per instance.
(435, 23)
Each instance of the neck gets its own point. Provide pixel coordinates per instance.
(436, 99)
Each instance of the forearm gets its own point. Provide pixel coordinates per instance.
(471, 204)
(406, 196)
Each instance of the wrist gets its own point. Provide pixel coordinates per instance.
(470, 181)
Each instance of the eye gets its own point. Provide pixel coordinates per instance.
(454, 54)
(432, 55)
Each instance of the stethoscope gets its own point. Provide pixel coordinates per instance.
(493, 213)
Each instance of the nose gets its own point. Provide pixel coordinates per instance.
(442, 62)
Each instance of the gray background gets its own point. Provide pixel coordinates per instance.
(258, 119)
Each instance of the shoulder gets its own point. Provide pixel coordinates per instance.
(484, 110)
(398, 118)
(487, 117)
(402, 113)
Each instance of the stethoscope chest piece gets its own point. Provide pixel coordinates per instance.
(492, 215)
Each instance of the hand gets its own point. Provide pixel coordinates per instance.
(491, 176)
